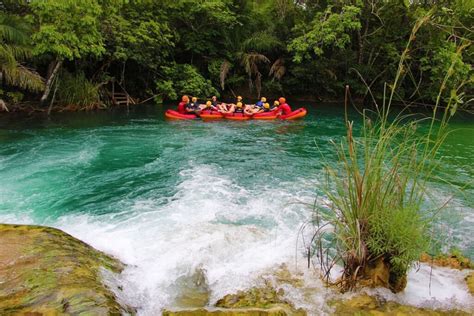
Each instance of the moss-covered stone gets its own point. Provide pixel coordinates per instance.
(283, 275)
(265, 297)
(369, 305)
(193, 290)
(454, 260)
(263, 300)
(46, 271)
(379, 274)
(275, 311)
(470, 282)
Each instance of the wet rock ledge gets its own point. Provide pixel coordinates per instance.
(44, 271)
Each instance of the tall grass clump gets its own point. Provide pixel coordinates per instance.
(77, 92)
(376, 213)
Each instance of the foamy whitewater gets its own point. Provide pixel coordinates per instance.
(208, 224)
(167, 205)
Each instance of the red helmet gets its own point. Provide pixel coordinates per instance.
(282, 100)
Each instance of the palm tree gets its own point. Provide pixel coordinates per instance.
(15, 48)
(251, 54)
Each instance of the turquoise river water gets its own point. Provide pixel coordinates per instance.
(168, 197)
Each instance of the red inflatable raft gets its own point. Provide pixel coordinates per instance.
(272, 115)
(237, 116)
(175, 115)
(301, 112)
(210, 115)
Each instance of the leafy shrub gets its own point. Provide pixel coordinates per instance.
(184, 79)
(15, 97)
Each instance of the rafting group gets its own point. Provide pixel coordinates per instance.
(189, 109)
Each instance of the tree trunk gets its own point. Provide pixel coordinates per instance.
(49, 82)
(54, 96)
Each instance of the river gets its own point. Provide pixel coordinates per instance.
(167, 197)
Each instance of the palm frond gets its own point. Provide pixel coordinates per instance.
(6, 57)
(13, 29)
(262, 42)
(258, 84)
(14, 47)
(331, 74)
(25, 78)
(225, 68)
(250, 62)
(17, 52)
(278, 69)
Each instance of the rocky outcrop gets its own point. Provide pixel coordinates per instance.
(44, 271)
(453, 260)
(370, 305)
(263, 300)
(193, 290)
(270, 299)
(378, 274)
(470, 283)
(274, 311)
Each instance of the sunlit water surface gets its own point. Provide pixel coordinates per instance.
(168, 197)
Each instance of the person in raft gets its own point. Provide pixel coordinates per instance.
(239, 99)
(258, 107)
(182, 104)
(259, 104)
(225, 108)
(209, 106)
(239, 108)
(193, 106)
(276, 104)
(214, 101)
(284, 108)
(266, 107)
(221, 107)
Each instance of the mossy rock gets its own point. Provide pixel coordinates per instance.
(264, 298)
(257, 301)
(193, 290)
(283, 275)
(454, 260)
(379, 274)
(470, 282)
(369, 305)
(274, 311)
(44, 271)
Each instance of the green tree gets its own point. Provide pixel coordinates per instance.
(257, 48)
(183, 79)
(329, 29)
(15, 48)
(68, 30)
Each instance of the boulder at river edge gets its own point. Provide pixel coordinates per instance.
(44, 271)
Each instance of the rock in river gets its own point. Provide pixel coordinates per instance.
(44, 271)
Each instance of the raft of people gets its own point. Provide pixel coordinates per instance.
(190, 108)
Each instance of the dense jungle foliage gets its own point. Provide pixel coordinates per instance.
(70, 51)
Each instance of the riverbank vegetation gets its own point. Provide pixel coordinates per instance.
(162, 49)
(377, 215)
